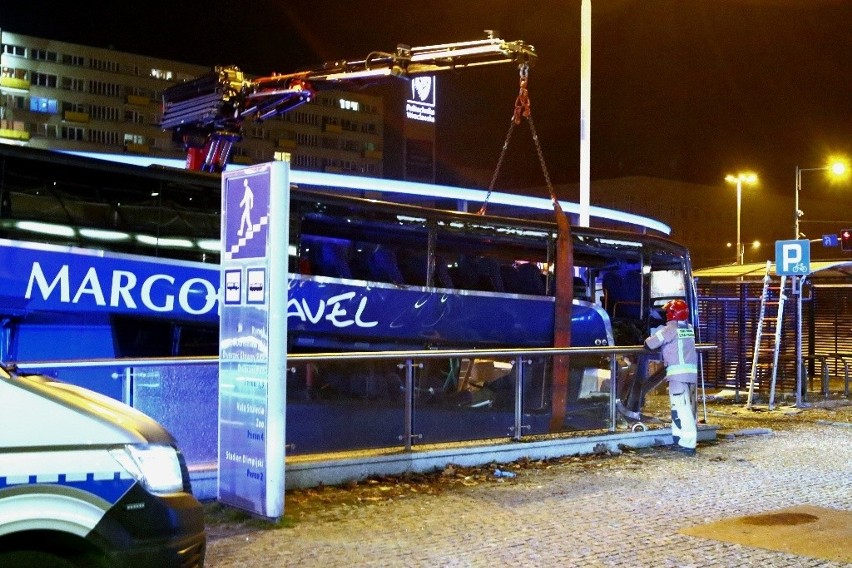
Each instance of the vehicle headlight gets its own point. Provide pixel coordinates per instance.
(156, 467)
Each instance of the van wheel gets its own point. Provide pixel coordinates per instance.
(34, 559)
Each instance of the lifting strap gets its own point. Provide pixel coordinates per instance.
(564, 275)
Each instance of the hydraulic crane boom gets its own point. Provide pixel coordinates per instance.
(207, 113)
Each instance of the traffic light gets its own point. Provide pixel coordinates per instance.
(846, 239)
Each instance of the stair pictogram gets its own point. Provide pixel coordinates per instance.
(241, 242)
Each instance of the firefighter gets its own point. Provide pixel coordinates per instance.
(676, 340)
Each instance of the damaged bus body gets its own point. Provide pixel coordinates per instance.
(124, 260)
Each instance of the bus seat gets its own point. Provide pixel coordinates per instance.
(442, 274)
(612, 286)
(330, 258)
(465, 274)
(383, 266)
(489, 270)
(511, 279)
(581, 292)
(412, 266)
(530, 279)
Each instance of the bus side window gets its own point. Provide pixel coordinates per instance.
(413, 266)
(328, 257)
(382, 265)
(482, 273)
(523, 278)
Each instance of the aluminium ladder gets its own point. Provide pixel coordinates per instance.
(770, 320)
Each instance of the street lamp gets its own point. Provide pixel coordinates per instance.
(745, 177)
(837, 168)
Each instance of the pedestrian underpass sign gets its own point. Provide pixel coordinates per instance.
(253, 337)
(793, 258)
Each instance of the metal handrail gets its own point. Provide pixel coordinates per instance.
(360, 355)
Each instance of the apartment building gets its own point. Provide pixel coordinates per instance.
(64, 96)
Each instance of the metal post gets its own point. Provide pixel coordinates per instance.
(613, 391)
(408, 417)
(127, 386)
(796, 212)
(739, 216)
(797, 286)
(519, 383)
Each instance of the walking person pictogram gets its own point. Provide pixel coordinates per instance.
(247, 203)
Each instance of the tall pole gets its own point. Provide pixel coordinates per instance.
(797, 213)
(585, 109)
(739, 217)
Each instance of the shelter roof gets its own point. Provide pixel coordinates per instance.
(820, 270)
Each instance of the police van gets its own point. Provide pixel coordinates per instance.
(88, 481)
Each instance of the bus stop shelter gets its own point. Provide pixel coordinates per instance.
(729, 300)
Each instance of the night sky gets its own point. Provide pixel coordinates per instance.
(681, 89)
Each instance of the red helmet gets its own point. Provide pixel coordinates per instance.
(676, 310)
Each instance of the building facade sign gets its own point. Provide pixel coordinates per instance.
(420, 104)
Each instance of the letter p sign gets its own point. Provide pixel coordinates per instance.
(793, 258)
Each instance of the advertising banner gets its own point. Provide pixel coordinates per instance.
(253, 338)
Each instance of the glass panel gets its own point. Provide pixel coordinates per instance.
(346, 405)
(108, 381)
(463, 399)
(185, 400)
(642, 391)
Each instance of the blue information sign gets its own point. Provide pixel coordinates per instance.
(793, 258)
(255, 216)
(830, 241)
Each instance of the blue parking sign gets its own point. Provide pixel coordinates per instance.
(793, 258)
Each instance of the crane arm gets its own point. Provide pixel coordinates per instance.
(206, 114)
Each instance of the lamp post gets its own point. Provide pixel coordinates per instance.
(837, 169)
(745, 177)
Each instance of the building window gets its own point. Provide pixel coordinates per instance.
(107, 113)
(162, 74)
(103, 65)
(73, 84)
(106, 137)
(105, 89)
(346, 104)
(134, 117)
(16, 50)
(41, 104)
(72, 59)
(71, 133)
(44, 80)
(307, 139)
(134, 139)
(257, 133)
(43, 55)
(74, 107)
(305, 162)
(14, 73)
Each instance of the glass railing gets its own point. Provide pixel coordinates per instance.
(398, 400)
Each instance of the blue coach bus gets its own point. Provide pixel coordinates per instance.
(104, 260)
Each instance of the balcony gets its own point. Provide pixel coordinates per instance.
(328, 127)
(10, 134)
(138, 148)
(14, 83)
(137, 100)
(73, 116)
(373, 154)
(286, 144)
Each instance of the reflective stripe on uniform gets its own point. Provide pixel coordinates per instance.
(682, 369)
